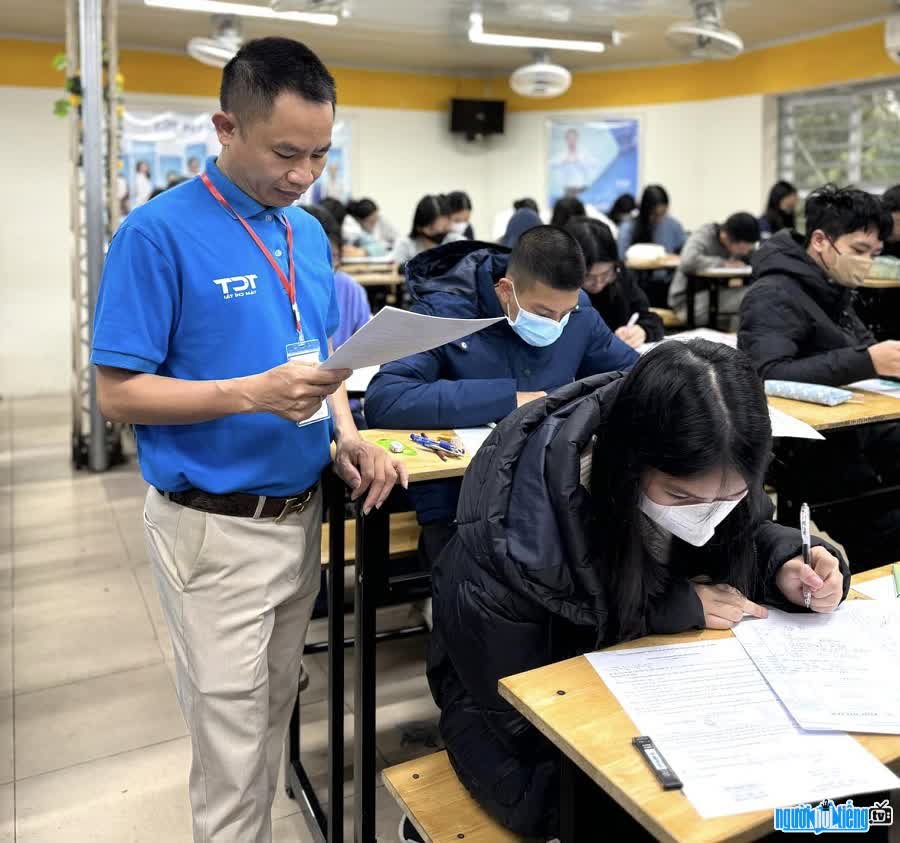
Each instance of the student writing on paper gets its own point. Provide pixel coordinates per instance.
(799, 323)
(588, 519)
(551, 336)
(713, 246)
(613, 289)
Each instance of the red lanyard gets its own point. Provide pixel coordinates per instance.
(290, 286)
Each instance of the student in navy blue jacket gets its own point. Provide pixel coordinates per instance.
(551, 337)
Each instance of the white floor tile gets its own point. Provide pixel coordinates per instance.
(95, 718)
(80, 627)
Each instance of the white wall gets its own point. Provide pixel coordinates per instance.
(712, 156)
(35, 353)
(709, 155)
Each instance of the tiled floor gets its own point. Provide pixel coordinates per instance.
(93, 746)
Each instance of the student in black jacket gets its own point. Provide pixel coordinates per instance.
(618, 506)
(613, 290)
(798, 322)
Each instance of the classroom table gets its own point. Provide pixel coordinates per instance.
(372, 559)
(881, 283)
(572, 707)
(713, 278)
(665, 262)
(865, 408)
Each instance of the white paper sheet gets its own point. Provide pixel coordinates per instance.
(882, 387)
(881, 588)
(359, 381)
(473, 437)
(697, 334)
(832, 671)
(392, 334)
(785, 426)
(726, 735)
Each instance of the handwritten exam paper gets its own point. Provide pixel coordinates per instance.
(392, 334)
(725, 733)
(832, 671)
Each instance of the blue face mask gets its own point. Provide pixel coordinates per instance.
(536, 330)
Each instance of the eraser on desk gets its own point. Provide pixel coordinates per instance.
(814, 393)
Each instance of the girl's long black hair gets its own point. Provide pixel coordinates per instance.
(653, 196)
(777, 218)
(430, 207)
(686, 408)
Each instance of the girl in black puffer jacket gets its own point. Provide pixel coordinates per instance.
(587, 518)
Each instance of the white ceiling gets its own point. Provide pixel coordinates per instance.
(430, 34)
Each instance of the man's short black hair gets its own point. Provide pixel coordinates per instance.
(891, 199)
(527, 202)
(742, 228)
(842, 210)
(549, 255)
(266, 67)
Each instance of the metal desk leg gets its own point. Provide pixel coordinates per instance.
(714, 304)
(691, 293)
(372, 552)
(297, 781)
(336, 498)
(587, 812)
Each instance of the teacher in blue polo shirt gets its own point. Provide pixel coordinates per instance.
(216, 305)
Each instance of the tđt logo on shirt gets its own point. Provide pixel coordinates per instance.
(238, 286)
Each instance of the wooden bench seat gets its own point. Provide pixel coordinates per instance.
(441, 809)
(404, 537)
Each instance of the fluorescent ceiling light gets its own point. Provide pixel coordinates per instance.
(477, 35)
(245, 10)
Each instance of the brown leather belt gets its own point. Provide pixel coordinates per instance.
(241, 504)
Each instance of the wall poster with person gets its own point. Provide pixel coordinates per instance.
(595, 160)
(159, 148)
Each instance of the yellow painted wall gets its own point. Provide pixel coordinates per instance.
(849, 56)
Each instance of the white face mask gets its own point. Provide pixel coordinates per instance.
(694, 524)
(459, 227)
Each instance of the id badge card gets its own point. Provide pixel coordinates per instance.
(307, 353)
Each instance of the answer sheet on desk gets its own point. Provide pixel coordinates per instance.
(725, 733)
(785, 426)
(832, 671)
(392, 334)
(879, 385)
(881, 588)
(473, 437)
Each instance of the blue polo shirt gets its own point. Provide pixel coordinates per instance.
(186, 293)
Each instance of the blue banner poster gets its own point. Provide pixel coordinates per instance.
(593, 160)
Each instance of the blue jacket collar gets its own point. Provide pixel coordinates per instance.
(243, 204)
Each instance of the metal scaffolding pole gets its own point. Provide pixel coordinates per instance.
(91, 59)
(91, 54)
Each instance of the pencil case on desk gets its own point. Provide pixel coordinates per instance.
(813, 393)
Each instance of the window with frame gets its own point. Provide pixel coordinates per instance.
(847, 136)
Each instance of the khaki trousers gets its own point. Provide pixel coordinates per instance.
(237, 594)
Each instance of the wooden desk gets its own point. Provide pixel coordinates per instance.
(372, 542)
(665, 262)
(871, 409)
(378, 279)
(713, 278)
(424, 465)
(589, 727)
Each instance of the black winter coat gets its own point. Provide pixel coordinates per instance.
(517, 587)
(796, 325)
(618, 301)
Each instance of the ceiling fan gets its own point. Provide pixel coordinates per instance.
(221, 48)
